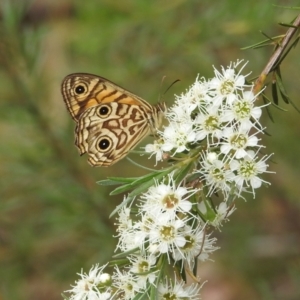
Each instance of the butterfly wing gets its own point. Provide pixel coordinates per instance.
(107, 132)
(82, 91)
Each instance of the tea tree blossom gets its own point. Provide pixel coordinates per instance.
(209, 123)
(237, 142)
(197, 97)
(167, 234)
(216, 125)
(248, 170)
(243, 111)
(126, 284)
(221, 213)
(167, 198)
(155, 149)
(198, 246)
(213, 144)
(94, 285)
(143, 267)
(216, 173)
(177, 290)
(227, 83)
(177, 136)
(181, 113)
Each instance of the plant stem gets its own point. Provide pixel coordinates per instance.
(276, 55)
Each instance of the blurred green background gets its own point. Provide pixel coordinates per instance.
(54, 218)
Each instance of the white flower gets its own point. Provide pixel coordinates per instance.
(198, 96)
(243, 110)
(167, 198)
(227, 83)
(177, 136)
(92, 286)
(127, 240)
(166, 234)
(216, 173)
(125, 230)
(142, 229)
(155, 149)
(124, 219)
(198, 245)
(238, 141)
(181, 111)
(222, 213)
(126, 284)
(142, 266)
(178, 290)
(208, 123)
(248, 170)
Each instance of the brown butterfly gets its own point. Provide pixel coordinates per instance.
(110, 121)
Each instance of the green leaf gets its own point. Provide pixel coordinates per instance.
(283, 92)
(274, 92)
(139, 296)
(153, 293)
(294, 105)
(119, 262)
(65, 297)
(144, 295)
(116, 180)
(140, 180)
(182, 172)
(267, 100)
(126, 253)
(281, 87)
(263, 43)
(180, 270)
(143, 184)
(120, 206)
(287, 25)
(195, 267)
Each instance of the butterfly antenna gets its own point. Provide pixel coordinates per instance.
(177, 80)
(161, 83)
(161, 96)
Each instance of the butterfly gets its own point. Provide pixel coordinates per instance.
(110, 121)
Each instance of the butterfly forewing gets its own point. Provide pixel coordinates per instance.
(82, 91)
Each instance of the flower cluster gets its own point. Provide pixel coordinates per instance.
(217, 120)
(165, 231)
(166, 226)
(213, 147)
(92, 286)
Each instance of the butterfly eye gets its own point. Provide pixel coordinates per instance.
(80, 89)
(104, 110)
(104, 144)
